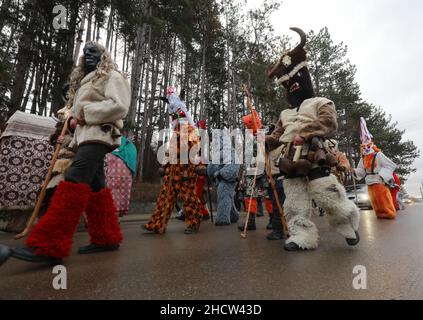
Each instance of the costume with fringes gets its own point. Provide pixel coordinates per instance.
(226, 174)
(307, 164)
(179, 179)
(378, 171)
(84, 190)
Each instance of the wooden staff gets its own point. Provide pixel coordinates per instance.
(252, 109)
(42, 195)
(278, 202)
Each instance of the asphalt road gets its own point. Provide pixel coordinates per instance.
(218, 264)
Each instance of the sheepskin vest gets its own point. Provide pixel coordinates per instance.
(103, 103)
(294, 120)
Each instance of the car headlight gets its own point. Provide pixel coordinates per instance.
(363, 197)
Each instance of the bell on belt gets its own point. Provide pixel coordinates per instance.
(302, 167)
(320, 157)
(286, 166)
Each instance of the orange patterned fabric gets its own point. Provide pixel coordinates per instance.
(179, 182)
(382, 203)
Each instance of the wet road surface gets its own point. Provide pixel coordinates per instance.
(218, 264)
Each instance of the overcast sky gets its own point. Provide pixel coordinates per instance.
(384, 42)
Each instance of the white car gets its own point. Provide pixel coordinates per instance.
(361, 197)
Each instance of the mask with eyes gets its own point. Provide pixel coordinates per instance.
(92, 55)
(292, 73)
(368, 149)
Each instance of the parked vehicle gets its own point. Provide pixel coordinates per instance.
(361, 198)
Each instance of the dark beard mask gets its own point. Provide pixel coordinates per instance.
(299, 88)
(92, 57)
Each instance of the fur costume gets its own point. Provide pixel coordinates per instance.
(308, 118)
(226, 181)
(378, 171)
(53, 234)
(66, 155)
(102, 101)
(103, 221)
(180, 179)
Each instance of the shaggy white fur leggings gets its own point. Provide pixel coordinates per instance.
(342, 214)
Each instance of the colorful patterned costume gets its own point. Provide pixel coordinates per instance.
(378, 171)
(179, 179)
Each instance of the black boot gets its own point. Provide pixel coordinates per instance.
(354, 242)
(27, 254)
(5, 254)
(251, 224)
(270, 224)
(277, 233)
(93, 248)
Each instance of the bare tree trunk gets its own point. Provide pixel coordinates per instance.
(80, 33)
(66, 64)
(136, 69)
(116, 41)
(203, 80)
(90, 22)
(145, 119)
(28, 92)
(23, 62)
(110, 28)
(124, 54)
(36, 92)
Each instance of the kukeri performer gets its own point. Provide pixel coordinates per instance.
(179, 179)
(255, 185)
(303, 128)
(100, 98)
(378, 171)
(226, 174)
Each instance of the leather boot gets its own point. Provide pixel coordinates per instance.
(277, 227)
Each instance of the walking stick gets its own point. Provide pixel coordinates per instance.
(252, 109)
(42, 195)
(278, 202)
(244, 234)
